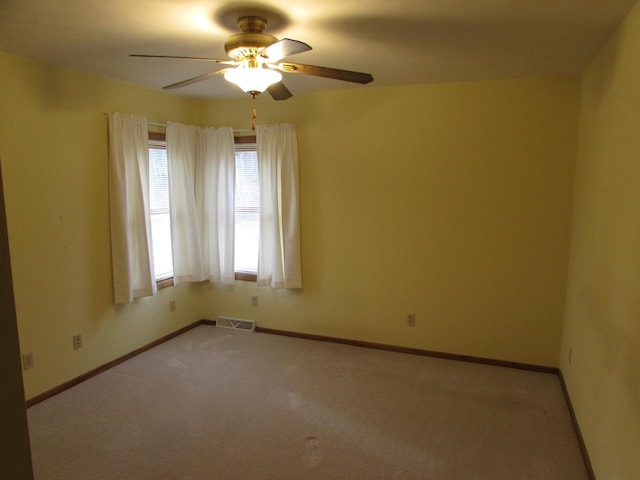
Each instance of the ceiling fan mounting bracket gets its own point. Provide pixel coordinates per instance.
(252, 39)
(252, 24)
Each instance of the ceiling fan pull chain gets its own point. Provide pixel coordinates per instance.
(253, 115)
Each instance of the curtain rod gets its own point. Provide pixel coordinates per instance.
(164, 125)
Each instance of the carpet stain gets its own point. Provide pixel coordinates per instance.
(286, 399)
(312, 455)
(176, 363)
(295, 400)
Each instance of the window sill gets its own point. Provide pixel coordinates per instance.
(247, 277)
(244, 276)
(167, 282)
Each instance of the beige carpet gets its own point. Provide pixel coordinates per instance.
(220, 404)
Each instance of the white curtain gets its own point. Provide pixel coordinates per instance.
(215, 198)
(133, 274)
(201, 191)
(279, 251)
(185, 235)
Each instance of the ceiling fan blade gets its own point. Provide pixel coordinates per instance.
(283, 48)
(279, 91)
(326, 72)
(205, 59)
(199, 78)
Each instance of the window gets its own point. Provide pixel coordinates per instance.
(247, 209)
(159, 207)
(246, 214)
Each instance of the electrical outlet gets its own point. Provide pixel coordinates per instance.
(254, 301)
(27, 361)
(77, 342)
(411, 320)
(172, 305)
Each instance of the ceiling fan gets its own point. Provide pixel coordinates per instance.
(255, 57)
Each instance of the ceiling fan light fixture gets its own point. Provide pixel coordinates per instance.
(257, 56)
(252, 79)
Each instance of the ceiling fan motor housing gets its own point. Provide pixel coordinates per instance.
(252, 39)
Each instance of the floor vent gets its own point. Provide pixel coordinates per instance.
(236, 324)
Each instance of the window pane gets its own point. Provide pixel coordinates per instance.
(247, 211)
(160, 217)
(158, 181)
(161, 232)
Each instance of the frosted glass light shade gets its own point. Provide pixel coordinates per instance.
(251, 79)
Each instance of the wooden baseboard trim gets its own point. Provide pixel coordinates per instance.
(412, 351)
(358, 343)
(576, 426)
(309, 336)
(92, 373)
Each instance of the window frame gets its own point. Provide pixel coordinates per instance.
(161, 137)
(243, 140)
(238, 140)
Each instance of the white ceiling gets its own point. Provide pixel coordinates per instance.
(398, 42)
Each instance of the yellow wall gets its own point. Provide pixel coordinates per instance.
(602, 326)
(449, 201)
(53, 145)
